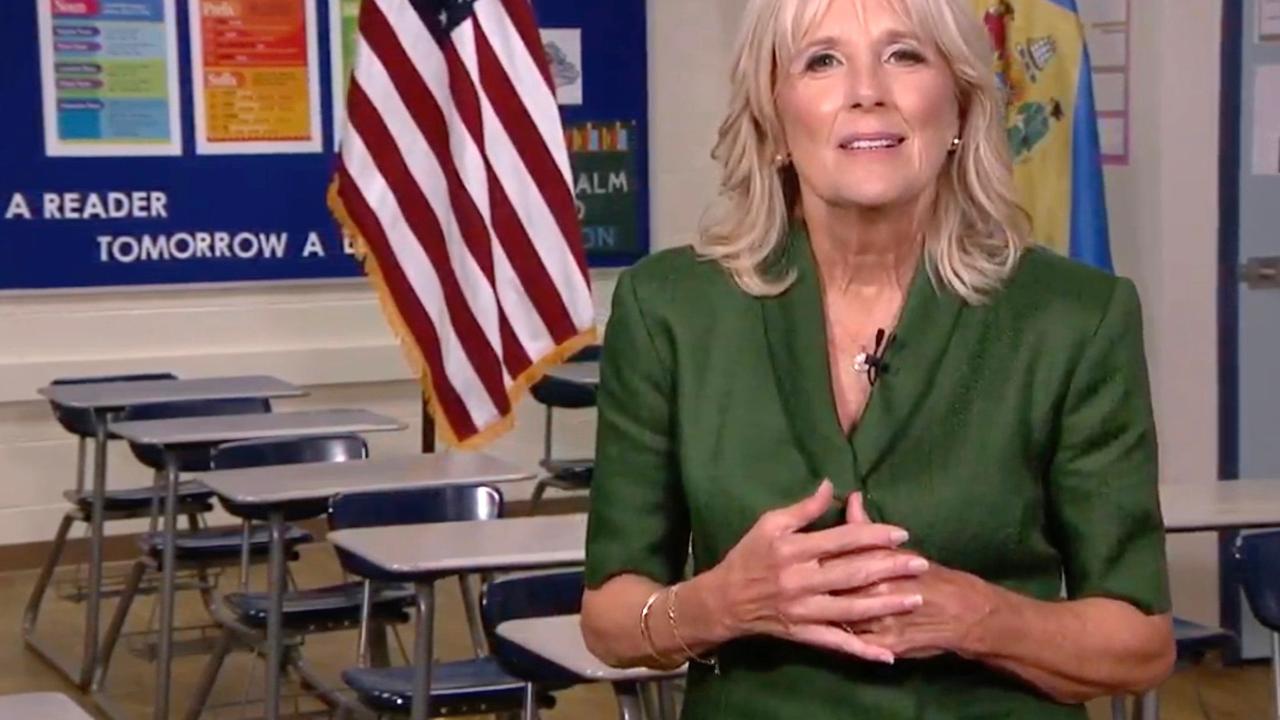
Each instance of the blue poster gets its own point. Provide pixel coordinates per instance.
(102, 186)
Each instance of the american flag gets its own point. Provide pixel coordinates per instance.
(454, 179)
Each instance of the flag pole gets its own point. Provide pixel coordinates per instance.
(428, 429)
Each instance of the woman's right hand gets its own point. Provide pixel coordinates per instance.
(786, 583)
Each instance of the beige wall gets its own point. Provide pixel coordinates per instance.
(1164, 220)
(331, 337)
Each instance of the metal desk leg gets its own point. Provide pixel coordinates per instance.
(423, 650)
(246, 535)
(1147, 706)
(472, 609)
(275, 613)
(165, 657)
(94, 604)
(628, 696)
(666, 700)
(530, 709)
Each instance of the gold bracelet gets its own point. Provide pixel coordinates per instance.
(675, 630)
(644, 627)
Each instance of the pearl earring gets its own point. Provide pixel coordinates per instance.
(955, 143)
(780, 160)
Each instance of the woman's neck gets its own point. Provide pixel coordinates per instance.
(861, 252)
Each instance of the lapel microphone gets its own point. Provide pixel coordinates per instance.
(872, 364)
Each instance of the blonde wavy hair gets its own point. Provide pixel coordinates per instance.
(976, 230)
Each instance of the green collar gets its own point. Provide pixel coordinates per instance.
(795, 328)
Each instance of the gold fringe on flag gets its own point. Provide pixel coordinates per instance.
(413, 354)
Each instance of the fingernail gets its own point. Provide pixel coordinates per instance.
(914, 601)
(918, 565)
(899, 536)
(888, 659)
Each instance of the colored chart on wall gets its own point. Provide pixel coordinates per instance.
(192, 141)
(256, 78)
(109, 77)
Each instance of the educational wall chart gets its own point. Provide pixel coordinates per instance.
(564, 57)
(344, 25)
(605, 184)
(1268, 21)
(1106, 25)
(1266, 120)
(596, 52)
(109, 77)
(252, 93)
(256, 78)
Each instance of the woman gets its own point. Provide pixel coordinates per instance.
(915, 458)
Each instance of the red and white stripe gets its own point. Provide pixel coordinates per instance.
(455, 172)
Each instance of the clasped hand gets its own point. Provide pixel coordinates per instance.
(851, 588)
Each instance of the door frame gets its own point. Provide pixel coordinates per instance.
(1229, 132)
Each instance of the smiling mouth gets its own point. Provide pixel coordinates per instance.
(883, 143)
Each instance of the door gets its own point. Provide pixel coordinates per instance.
(1249, 290)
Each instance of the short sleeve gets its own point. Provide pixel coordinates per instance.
(1103, 499)
(638, 521)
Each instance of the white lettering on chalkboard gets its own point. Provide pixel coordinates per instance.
(602, 183)
(186, 246)
(105, 206)
(313, 247)
(18, 208)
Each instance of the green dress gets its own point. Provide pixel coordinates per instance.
(1014, 440)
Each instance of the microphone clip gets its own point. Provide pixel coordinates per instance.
(872, 364)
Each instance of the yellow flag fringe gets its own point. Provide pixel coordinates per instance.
(413, 354)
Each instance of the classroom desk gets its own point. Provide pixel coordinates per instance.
(1229, 505)
(106, 400)
(171, 433)
(41, 706)
(586, 373)
(559, 639)
(422, 553)
(1210, 507)
(272, 490)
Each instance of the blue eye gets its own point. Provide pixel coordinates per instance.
(821, 61)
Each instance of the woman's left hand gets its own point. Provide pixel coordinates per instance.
(956, 605)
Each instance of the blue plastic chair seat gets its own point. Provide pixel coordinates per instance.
(325, 606)
(1194, 640)
(190, 492)
(564, 394)
(570, 473)
(465, 687)
(219, 543)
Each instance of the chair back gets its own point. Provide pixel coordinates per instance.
(590, 353)
(1257, 558)
(453, 503)
(287, 451)
(81, 421)
(192, 458)
(565, 394)
(530, 595)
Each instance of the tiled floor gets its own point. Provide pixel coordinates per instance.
(1227, 693)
